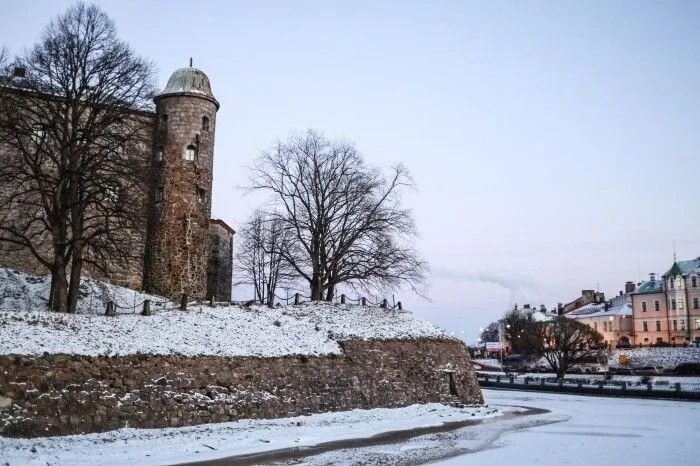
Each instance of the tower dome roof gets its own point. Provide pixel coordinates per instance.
(188, 81)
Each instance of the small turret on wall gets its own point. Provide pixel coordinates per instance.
(183, 156)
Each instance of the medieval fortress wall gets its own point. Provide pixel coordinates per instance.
(170, 253)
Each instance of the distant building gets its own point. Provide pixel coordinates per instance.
(667, 310)
(613, 320)
(587, 297)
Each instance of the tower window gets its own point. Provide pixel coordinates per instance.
(160, 194)
(38, 133)
(205, 123)
(201, 195)
(160, 154)
(190, 153)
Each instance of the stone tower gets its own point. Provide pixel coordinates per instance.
(183, 156)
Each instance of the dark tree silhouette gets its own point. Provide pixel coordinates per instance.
(344, 218)
(490, 333)
(71, 127)
(260, 256)
(565, 342)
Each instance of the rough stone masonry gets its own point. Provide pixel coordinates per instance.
(63, 394)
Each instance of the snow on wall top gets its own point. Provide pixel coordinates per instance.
(310, 329)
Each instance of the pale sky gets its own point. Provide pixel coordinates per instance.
(555, 144)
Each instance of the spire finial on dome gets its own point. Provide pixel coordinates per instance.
(190, 62)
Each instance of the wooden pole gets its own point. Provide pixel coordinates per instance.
(146, 308)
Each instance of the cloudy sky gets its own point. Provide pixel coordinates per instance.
(556, 145)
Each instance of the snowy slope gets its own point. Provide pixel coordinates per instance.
(310, 329)
(22, 292)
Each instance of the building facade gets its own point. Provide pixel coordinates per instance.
(667, 309)
(171, 249)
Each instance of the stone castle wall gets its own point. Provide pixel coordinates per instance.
(62, 394)
(219, 268)
(125, 272)
(179, 231)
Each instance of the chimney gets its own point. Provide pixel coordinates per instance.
(526, 306)
(620, 292)
(516, 306)
(543, 308)
(652, 277)
(19, 72)
(629, 287)
(560, 308)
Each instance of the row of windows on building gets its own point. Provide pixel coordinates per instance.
(205, 122)
(674, 323)
(607, 326)
(693, 282)
(673, 304)
(201, 194)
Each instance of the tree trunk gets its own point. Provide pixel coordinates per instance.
(58, 299)
(316, 288)
(75, 272)
(330, 293)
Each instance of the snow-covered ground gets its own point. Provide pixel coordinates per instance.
(310, 328)
(668, 358)
(168, 446)
(574, 430)
(22, 292)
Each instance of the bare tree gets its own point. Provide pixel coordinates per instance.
(72, 139)
(490, 333)
(344, 217)
(565, 342)
(260, 257)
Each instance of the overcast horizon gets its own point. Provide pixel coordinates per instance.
(554, 144)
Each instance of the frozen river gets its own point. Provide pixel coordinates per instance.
(594, 431)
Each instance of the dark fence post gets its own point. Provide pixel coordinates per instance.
(399, 306)
(296, 299)
(146, 308)
(342, 299)
(384, 303)
(678, 386)
(364, 301)
(183, 302)
(212, 301)
(111, 311)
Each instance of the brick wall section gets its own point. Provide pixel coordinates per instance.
(178, 231)
(60, 394)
